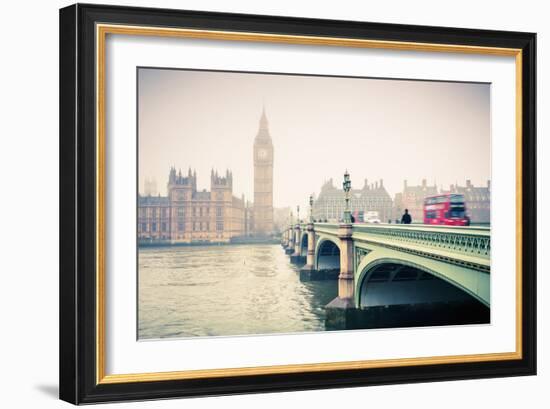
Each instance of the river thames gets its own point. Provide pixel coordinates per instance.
(226, 290)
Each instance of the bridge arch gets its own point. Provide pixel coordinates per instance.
(327, 254)
(398, 292)
(416, 279)
(304, 243)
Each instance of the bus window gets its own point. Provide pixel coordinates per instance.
(457, 211)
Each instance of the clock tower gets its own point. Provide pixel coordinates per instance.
(263, 180)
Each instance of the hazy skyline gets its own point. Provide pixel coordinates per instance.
(320, 126)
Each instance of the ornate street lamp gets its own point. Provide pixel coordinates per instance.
(298, 213)
(291, 217)
(347, 187)
(311, 208)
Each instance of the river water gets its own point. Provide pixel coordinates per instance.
(226, 290)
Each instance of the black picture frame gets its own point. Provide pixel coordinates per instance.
(78, 258)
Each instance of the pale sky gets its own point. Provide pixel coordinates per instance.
(320, 126)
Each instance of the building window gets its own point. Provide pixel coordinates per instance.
(163, 227)
(180, 212)
(218, 212)
(219, 226)
(143, 227)
(153, 227)
(181, 227)
(154, 210)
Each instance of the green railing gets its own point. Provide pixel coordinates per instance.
(473, 241)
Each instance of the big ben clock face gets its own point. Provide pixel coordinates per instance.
(262, 153)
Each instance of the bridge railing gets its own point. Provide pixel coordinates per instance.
(471, 240)
(475, 241)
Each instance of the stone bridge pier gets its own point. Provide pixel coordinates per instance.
(284, 239)
(308, 271)
(340, 311)
(296, 257)
(290, 243)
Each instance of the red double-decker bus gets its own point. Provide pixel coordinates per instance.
(448, 209)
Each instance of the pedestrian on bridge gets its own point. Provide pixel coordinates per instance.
(406, 218)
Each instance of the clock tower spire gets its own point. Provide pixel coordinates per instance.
(263, 130)
(263, 179)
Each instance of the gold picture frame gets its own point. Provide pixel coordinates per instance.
(99, 21)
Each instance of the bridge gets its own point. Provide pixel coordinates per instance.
(396, 275)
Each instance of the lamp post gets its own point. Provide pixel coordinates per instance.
(298, 213)
(347, 187)
(311, 208)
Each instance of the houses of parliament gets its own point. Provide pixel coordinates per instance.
(187, 215)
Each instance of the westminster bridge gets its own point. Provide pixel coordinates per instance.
(396, 275)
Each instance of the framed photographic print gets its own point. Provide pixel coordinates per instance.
(257, 203)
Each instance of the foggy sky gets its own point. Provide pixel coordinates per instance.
(320, 126)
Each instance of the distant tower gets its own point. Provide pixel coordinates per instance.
(263, 180)
(150, 187)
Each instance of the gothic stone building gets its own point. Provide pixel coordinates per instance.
(412, 198)
(330, 204)
(187, 215)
